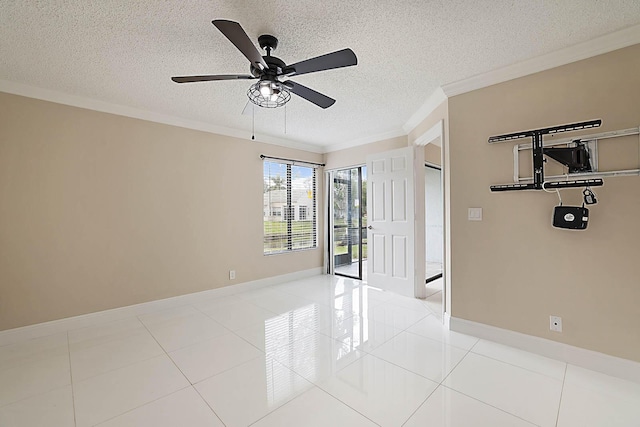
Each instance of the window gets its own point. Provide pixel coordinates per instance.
(289, 189)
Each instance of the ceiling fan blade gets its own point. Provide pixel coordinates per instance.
(338, 59)
(236, 35)
(192, 79)
(322, 101)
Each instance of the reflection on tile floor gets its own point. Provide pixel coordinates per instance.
(323, 351)
(353, 269)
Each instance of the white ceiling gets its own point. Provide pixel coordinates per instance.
(124, 52)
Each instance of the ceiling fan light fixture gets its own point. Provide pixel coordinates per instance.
(269, 94)
(266, 89)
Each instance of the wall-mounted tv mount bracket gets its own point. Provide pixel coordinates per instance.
(576, 158)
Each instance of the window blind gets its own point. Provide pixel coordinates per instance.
(289, 207)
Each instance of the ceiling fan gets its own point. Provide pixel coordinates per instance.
(270, 91)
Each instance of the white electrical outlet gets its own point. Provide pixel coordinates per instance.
(555, 323)
(232, 274)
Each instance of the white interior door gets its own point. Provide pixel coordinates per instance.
(393, 222)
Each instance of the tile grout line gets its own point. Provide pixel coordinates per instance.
(119, 367)
(471, 397)
(322, 391)
(40, 393)
(39, 352)
(140, 406)
(73, 396)
(272, 360)
(564, 377)
(180, 370)
(517, 366)
(109, 339)
(221, 372)
(454, 368)
(166, 353)
(420, 405)
(347, 405)
(230, 330)
(209, 406)
(439, 341)
(199, 342)
(391, 363)
(474, 344)
(490, 405)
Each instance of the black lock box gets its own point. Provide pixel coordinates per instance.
(570, 217)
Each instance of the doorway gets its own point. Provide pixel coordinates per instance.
(437, 227)
(433, 222)
(349, 220)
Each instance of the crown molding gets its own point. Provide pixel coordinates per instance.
(436, 131)
(598, 46)
(435, 99)
(135, 113)
(365, 140)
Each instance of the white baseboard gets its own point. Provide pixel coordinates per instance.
(589, 359)
(24, 333)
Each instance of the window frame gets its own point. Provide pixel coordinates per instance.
(289, 210)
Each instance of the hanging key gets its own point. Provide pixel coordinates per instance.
(589, 197)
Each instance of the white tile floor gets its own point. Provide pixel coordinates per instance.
(324, 351)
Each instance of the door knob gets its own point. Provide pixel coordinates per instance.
(370, 227)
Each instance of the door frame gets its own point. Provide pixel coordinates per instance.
(433, 134)
(329, 255)
(332, 179)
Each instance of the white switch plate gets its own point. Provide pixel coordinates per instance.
(555, 323)
(475, 214)
(232, 274)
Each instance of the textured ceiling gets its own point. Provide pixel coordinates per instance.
(125, 51)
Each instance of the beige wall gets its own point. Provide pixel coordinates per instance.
(513, 270)
(356, 156)
(100, 211)
(432, 154)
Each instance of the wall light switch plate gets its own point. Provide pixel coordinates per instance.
(475, 214)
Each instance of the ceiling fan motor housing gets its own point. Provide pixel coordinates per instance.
(276, 67)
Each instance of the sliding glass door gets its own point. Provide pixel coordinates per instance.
(349, 217)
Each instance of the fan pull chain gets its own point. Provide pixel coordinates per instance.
(253, 122)
(285, 119)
